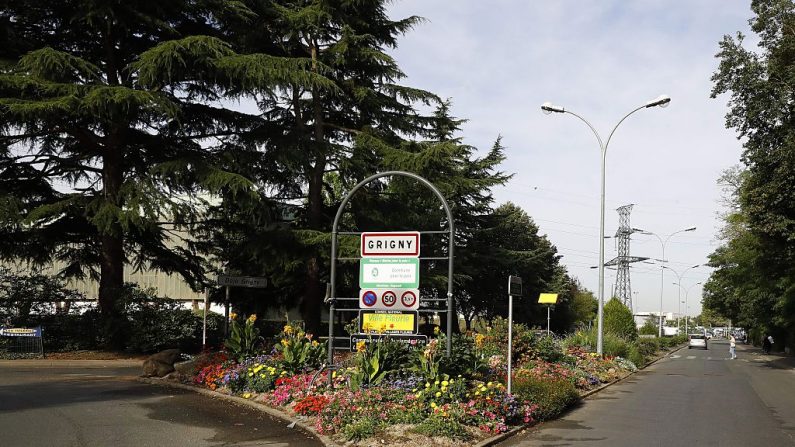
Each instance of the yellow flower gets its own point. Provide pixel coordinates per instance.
(288, 329)
(479, 339)
(382, 328)
(438, 394)
(477, 393)
(433, 404)
(361, 346)
(436, 383)
(445, 383)
(427, 385)
(246, 395)
(285, 342)
(444, 389)
(367, 327)
(252, 318)
(232, 316)
(419, 394)
(334, 374)
(436, 330)
(315, 343)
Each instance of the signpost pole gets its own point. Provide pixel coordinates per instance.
(204, 319)
(547, 320)
(510, 333)
(226, 313)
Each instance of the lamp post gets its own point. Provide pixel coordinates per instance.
(679, 281)
(661, 101)
(687, 291)
(663, 242)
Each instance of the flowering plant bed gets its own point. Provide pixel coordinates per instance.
(388, 393)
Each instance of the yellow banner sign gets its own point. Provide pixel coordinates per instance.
(548, 298)
(388, 322)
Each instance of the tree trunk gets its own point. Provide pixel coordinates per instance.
(312, 302)
(111, 279)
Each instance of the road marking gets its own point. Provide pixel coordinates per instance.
(691, 357)
(675, 356)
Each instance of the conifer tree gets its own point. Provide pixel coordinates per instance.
(113, 128)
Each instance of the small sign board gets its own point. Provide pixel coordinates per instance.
(254, 282)
(389, 299)
(20, 332)
(548, 298)
(514, 286)
(391, 244)
(385, 273)
(388, 321)
(412, 340)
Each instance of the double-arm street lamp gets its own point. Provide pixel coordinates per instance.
(663, 243)
(687, 291)
(661, 101)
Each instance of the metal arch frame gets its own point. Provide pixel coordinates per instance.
(332, 296)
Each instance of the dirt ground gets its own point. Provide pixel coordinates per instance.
(94, 355)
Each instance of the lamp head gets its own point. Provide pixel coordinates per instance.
(690, 229)
(662, 101)
(548, 108)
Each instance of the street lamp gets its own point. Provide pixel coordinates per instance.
(679, 279)
(663, 242)
(687, 291)
(661, 101)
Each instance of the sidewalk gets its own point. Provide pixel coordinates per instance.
(54, 363)
(778, 360)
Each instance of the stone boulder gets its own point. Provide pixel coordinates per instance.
(160, 364)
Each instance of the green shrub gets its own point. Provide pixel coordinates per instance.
(438, 425)
(649, 328)
(462, 359)
(361, 429)
(618, 320)
(635, 356)
(551, 396)
(647, 347)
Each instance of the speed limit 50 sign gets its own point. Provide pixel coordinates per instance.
(389, 299)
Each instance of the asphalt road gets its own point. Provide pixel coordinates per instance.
(690, 398)
(98, 403)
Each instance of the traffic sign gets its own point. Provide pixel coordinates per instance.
(384, 273)
(388, 321)
(412, 340)
(389, 299)
(547, 298)
(391, 244)
(254, 282)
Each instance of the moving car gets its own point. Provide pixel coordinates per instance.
(697, 341)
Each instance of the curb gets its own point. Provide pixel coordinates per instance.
(245, 402)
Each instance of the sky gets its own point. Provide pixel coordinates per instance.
(499, 60)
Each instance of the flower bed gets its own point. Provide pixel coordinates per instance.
(386, 386)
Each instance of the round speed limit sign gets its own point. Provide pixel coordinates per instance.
(389, 298)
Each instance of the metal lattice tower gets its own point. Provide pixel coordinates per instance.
(623, 289)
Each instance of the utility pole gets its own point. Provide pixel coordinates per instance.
(623, 286)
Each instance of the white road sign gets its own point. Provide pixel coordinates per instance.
(390, 299)
(390, 244)
(385, 273)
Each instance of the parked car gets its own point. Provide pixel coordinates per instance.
(697, 341)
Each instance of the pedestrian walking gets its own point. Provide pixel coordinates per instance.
(766, 344)
(732, 347)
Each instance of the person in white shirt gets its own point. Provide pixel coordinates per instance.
(733, 347)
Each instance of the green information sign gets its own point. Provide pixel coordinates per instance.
(401, 273)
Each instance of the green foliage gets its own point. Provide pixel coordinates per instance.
(650, 327)
(426, 361)
(553, 396)
(752, 282)
(612, 345)
(369, 367)
(362, 428)
(618, 320)
(299, 351)
(448, 427)
(463, 358)
(646, 347)
(244, 339)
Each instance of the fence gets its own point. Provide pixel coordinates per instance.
(21, 342)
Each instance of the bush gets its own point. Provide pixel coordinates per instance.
(635, 356)
(552, 396)
(649, 328)
(439, 425)
(618, 320)
(647, 347)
